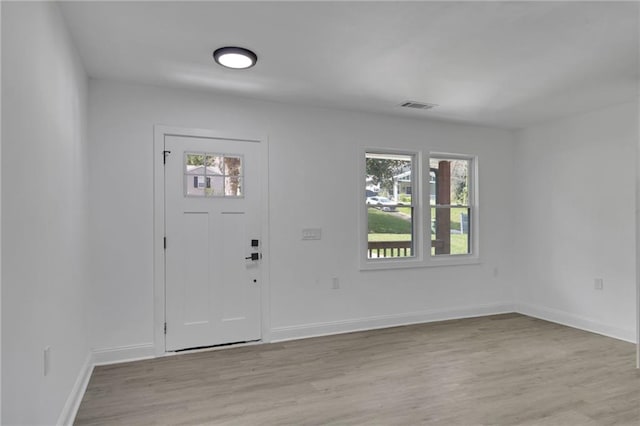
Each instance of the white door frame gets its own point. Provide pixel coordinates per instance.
(637, 223)
(160, 132)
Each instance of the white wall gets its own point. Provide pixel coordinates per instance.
(575, 210)
(313, 183)
(0, 228)
(44, 216)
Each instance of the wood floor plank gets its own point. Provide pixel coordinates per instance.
(496, 370)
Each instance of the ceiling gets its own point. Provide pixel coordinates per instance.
(505, 64)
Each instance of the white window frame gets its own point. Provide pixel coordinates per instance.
(417, 257)
(421, 214)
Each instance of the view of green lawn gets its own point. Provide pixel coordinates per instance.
(459, 244)
(388, 226)
(387, 223)
(455, 214)
(389, 237)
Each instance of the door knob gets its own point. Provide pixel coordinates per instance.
(254, 256)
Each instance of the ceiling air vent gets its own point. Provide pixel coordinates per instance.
(417, 105)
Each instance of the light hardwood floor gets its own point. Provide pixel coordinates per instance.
(497, 370)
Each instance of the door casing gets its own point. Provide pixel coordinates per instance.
(159, 299)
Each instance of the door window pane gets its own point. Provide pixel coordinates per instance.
(232, 166)
(233, 186)
(195, 185)
(216, 186)
(194, 164)
(215, 165)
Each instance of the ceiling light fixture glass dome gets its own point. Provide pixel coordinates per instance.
(235, 57)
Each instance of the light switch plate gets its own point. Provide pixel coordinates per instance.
(312, 234)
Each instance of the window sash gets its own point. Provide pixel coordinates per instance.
(384, 251)
(469, 207)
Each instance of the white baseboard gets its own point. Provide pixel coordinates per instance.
(123, 354)
(576, 321)
(70, 409)
(280, 334)
(99, 357)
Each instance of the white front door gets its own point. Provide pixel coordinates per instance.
(212, 227)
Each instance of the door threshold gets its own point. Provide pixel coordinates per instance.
(216, 347)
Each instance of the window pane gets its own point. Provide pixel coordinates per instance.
(215, 165)
(233, 186)
(216, 186)
(195, 159)
(195, 185)
(389, 233)
(449, 181)
(389, 177)
(233, 166)
(460, 182)
(194, 164)
(450, 230)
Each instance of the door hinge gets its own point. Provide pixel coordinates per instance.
(165, 328)
(165, 243)
(164, 156)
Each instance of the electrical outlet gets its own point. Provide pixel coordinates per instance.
(335, 283)
(47, 360)
(598, 284)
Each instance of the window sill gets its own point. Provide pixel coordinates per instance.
(459, 260)
(378, 265)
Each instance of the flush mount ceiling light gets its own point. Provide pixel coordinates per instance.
(235, 57)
